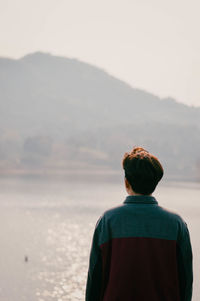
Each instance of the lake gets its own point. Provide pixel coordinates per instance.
(46, 227)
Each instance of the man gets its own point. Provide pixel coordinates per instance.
(140, 251)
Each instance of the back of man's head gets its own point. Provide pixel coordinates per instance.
(143, 171)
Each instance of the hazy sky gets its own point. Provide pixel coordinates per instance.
(151, 44)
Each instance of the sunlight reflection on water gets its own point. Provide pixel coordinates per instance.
(64, 260)
(69, 260)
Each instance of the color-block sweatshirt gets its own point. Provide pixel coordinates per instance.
(140, 252)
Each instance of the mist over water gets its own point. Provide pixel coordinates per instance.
(51, 222)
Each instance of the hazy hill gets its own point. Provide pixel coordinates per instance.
(59, 113)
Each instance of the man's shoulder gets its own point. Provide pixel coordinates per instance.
(158, 211)
(143, 220)
(110, 214)
(170, 214)
(113, 211)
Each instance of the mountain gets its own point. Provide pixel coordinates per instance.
(62, 114)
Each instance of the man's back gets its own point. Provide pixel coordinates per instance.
(140, 252)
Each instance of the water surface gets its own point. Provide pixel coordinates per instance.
(51, 221)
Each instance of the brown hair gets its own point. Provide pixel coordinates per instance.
(142, 170)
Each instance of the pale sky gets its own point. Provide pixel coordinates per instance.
(150, 44)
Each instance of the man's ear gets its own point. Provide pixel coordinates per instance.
(126, 183)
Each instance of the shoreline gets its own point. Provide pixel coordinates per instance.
(101, 175)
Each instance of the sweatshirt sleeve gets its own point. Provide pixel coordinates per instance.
(185, 269)
(94, 280)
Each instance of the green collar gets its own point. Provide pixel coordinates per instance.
(140, 199)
